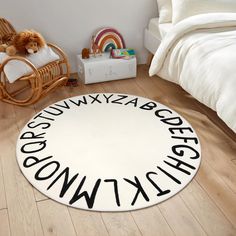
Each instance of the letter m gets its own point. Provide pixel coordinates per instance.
(89, 199)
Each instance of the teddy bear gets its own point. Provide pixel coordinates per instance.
(85, 53)
(6, 42)
(23, 43)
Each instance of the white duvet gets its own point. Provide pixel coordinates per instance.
(200, 55)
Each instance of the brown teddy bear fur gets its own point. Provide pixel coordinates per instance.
(85, 53)
(25, 42)
(6, 41)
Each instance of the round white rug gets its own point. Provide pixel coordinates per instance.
(108, 152)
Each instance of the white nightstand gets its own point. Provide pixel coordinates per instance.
(103, 68)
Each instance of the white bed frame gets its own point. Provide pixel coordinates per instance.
(151, 43)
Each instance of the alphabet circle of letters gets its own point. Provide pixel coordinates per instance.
(108, 152)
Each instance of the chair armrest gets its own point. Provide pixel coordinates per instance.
(58, 50)
(62, 55)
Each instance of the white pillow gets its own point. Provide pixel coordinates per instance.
(186, 8)
(15, 69)
(165, 11)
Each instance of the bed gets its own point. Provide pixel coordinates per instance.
(198, 52)
(154, 33)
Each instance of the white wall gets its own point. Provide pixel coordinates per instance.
(70, 23)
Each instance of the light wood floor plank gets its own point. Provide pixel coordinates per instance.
(151, 222)
(4, 223)
(22, 210)
(220, 125)
(44, 102)
(129, 87)
(189, 225)
(39, 196)
(88, 223)
(6, 111)
(218, 191)
(206, 211)
(3, 203)
(219, 159)
(59, 94)
(120, 224)
(55, 219)
(23, 115)
(94, 88)
(78, 90)
(149, 88)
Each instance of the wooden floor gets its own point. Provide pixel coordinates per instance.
(207, 206)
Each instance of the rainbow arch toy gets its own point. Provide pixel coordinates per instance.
(109, 38)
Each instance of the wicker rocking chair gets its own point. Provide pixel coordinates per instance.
(30, 88)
